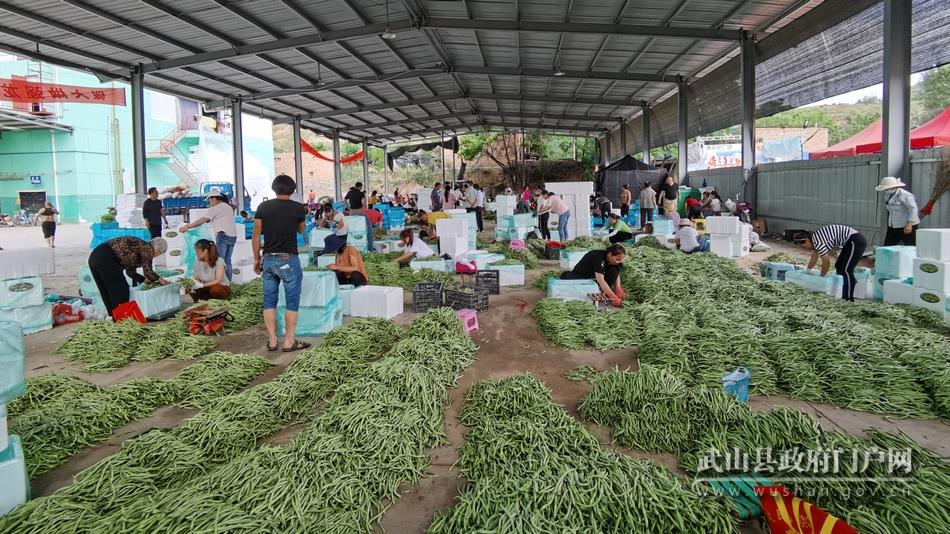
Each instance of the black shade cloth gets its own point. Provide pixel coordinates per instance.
(450, 144)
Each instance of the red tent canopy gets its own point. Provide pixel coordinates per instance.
(935, 132)
(848, 147)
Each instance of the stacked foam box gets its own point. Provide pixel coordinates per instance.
(28, 262)
(242, 255)
(864, 283)
(318, 237)
(454, 236)
(728, 237)
(14, 484)
(394, 219)
(932, 269)
(444, 266)
(320, 308)
(505, 205)
(577, 197)
(893, 263)
(472, 221)
(518, 226)
(376, 301)
(346, 292)
(129, 210)
(22, 300)
(483, 259)
(776, 270)
(356, 229)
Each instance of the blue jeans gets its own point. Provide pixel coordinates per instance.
(225, 244)
(277, 269)
(562, 225)
(369, 233)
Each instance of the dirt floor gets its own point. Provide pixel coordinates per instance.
(509, 343)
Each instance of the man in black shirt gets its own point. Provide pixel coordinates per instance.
(669, 195)
(153, 213)
(280, 220)
(356, 199)
(603, 266)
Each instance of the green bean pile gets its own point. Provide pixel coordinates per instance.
(105, 345)
(784, 257)
(505, 262)
(228, 428)
(700, 316)
(536, 247)
(533, 468)
(379, 257)
(47, 388)
(652, 410)
(585, 243)
(650, 242)
(59, 425)
(389, 274)
(584, 373)
(525, 257)
(339, 472)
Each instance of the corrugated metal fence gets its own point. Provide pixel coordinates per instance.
(811, 193)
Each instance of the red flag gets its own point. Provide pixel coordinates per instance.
(315, 153)
(787, 514)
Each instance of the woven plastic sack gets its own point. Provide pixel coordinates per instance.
(12, 383)
(31, 318)
(21, 292)
(313, 320)
(157, 301)
(317, 288)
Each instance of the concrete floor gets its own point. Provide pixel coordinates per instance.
(509, 343)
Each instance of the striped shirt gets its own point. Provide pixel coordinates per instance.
(831, 237)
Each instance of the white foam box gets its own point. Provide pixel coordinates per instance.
(243, 274)
(242, 254)
(813, 282)
(376, 301)
(451, 226)
(355, 223)
(324, 260)
(20, 292)
(15, 489)
(444, 266)
(934, 244)
(4, 438)
(173, 238)
(31, 318)
(454, 211)
(571, 188)
(195, 214)
(895, 262)
(897, 292)
(318, 236)
(317, 289)
(506, 200)
(932, 274)
(346, 292)
(570, 258)
(723, 225)
(27, 262)
(453, 245)
(509, 275)
(928, 299)
(172, 260)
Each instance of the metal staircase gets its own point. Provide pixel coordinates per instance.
(179, 162)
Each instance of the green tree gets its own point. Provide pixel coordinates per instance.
(934, 92)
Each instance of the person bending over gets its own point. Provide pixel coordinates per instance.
(602, 266)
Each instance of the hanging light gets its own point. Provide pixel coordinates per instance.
(558, 72)
(387, 33)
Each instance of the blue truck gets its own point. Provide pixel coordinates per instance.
(174, 206)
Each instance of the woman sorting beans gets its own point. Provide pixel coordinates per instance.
(211, 272)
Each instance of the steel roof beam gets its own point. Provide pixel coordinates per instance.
(708, 34)
(492, 125)
(379, 107)
(542, 116)
(575, 74)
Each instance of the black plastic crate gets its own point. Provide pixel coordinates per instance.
(488, 279)
(426, 296)
(465, 297)
(552, 253)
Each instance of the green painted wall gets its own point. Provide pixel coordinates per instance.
(94, 162)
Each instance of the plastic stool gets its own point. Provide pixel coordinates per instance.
(469, 320)
(516, 244)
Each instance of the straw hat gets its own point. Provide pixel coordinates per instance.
(216, 193)
(889, 182)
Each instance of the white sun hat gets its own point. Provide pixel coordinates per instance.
(889, 182)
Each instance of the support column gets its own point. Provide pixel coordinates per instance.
(896, 150)
(623, 138)
(138, 130)
(366, 167)
(645, 120)
(682, 129)
(298, 157)
(237, 135)
(337, 168)
(442, 155)
(607, 148)
(747, 74)
(386, 169)
(574, 147)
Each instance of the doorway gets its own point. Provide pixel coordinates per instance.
(32, 200)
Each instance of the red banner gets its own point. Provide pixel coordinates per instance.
(305, 146)
(28, 92)
(787, 514)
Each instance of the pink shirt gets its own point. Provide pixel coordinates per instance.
(558, 206)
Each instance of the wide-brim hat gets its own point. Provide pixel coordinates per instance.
(216, 193)
(332, 244)
(889, 182)
(686, 222)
